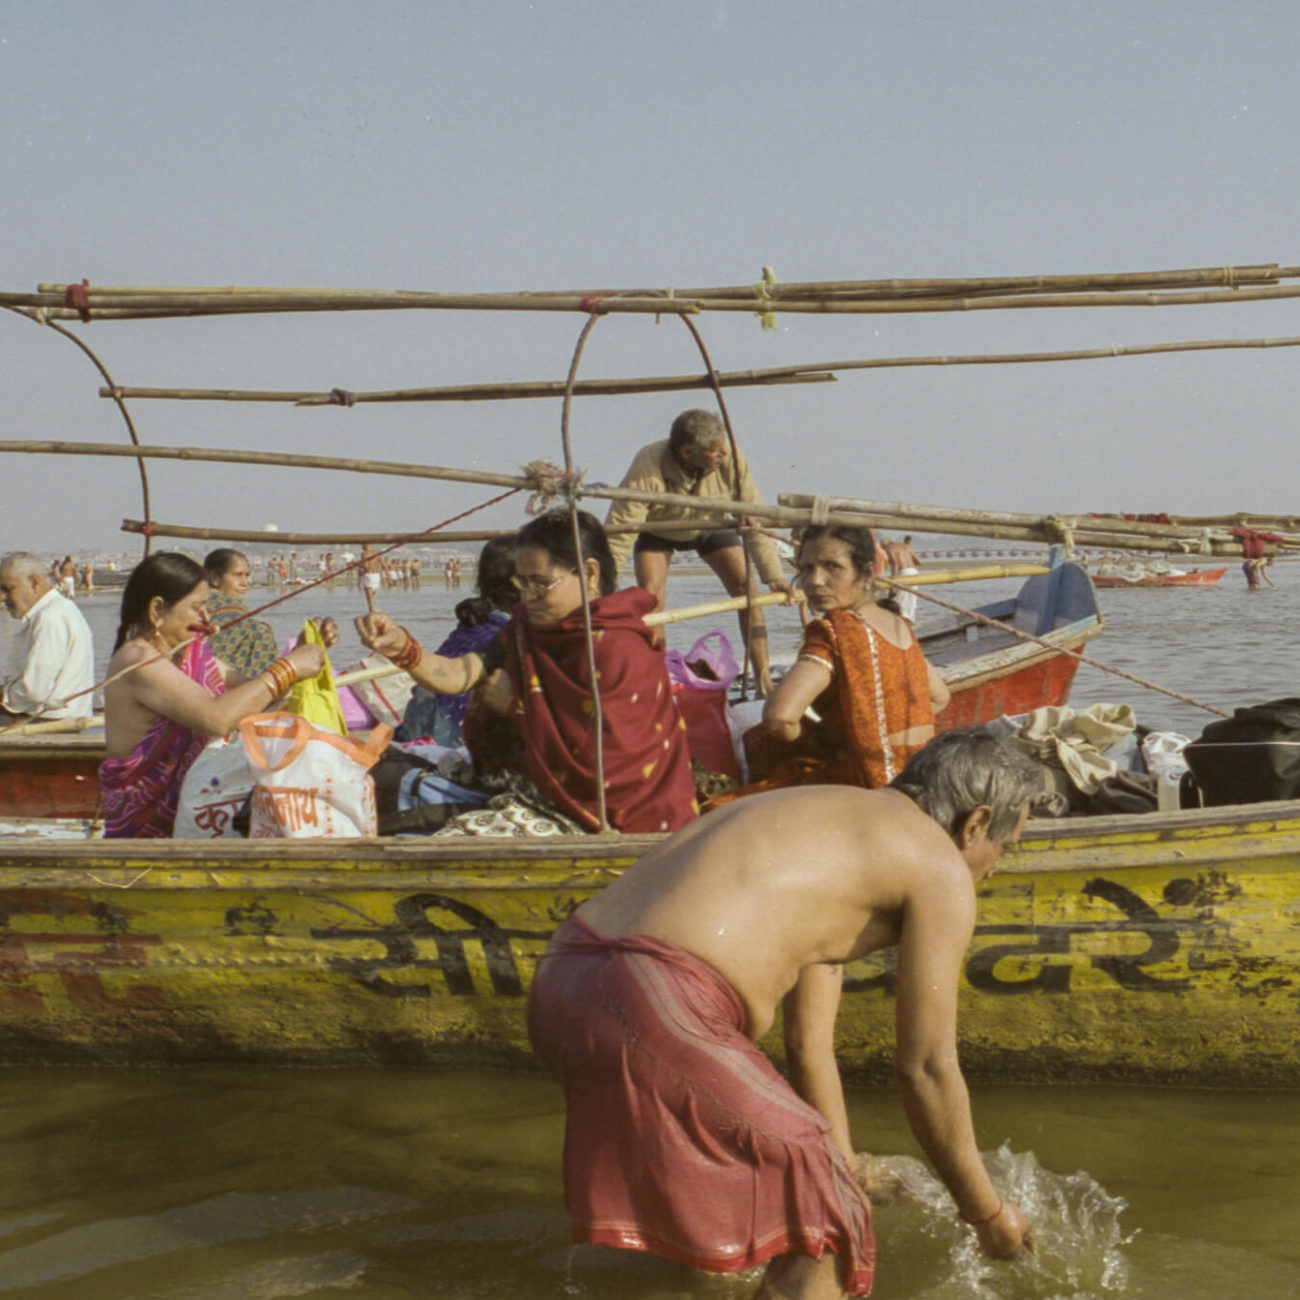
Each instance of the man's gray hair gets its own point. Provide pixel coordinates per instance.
(23, 564)
(963, 769)
(700, 429)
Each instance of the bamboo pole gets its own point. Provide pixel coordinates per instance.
(187, 532)
(1225, 276)
(1100, 530)
(774, 376)
(106, 307)
(706, 510)
(1113, 534)
(815, 372)
(1244, 519)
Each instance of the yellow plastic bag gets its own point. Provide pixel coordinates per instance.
(317, 698)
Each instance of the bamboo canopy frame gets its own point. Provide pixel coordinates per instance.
(1211, 285)
(1253, 282)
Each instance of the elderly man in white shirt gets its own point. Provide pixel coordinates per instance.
(58, 657)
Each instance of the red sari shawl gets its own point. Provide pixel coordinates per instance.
(648, 782)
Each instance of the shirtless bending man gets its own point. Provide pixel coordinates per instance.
(682, 1139)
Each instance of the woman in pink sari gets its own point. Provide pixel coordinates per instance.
(173, 695)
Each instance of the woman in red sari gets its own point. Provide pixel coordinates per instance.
(536, 679)
(861, 671)
(173, 695)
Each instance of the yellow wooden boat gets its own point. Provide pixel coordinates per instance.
(1155, 948)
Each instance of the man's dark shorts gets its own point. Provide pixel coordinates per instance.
(717, 539)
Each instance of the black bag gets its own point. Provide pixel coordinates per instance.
(1251, 757)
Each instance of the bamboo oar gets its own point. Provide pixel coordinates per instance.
(706, 610)
(55, 726)
(975, 574)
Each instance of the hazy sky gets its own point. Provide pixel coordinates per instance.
(507, 145)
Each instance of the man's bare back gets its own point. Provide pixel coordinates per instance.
(767, 886)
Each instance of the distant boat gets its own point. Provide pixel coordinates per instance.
(1136, 574)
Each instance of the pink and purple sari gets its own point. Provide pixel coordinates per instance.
(142, 790)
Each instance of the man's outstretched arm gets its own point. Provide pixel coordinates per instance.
(937, 926)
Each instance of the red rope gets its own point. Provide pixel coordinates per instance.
(78, 297)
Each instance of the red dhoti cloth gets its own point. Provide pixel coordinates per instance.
(682, 1138)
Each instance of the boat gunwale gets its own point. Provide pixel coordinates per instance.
(1274, 829)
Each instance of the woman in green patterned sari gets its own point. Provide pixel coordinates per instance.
(249, 646)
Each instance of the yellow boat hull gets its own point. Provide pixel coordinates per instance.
(1162, 948)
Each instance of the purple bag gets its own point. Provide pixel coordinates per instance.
(700, 678)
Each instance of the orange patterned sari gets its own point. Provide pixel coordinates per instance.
(876, 691)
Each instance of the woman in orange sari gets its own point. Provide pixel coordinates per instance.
(861, 671)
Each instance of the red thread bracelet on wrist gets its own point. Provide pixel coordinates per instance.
(979, 1223)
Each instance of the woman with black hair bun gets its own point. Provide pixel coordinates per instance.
(536, 685)
(479, 621)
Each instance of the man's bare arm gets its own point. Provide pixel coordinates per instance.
(810, 1009)
(938, 922)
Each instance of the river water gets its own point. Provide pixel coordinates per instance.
(224, 1183)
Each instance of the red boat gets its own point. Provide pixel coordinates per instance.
(989, 671)
(1137, 575)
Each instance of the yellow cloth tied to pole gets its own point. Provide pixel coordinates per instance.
(317, 698)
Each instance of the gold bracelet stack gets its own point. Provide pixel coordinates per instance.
(280, 676)
(408, 656)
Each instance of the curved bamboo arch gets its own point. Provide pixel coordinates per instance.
(572, 492)
(37, 319)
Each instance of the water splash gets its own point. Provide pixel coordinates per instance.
(1075, 1232)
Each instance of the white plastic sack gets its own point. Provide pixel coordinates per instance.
(386, 698)
(215, 788)
(310, 782)
(1163, 752)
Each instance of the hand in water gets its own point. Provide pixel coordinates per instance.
(1007, 1235)
(888, 1179)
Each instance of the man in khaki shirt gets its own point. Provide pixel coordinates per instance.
(695, 460)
